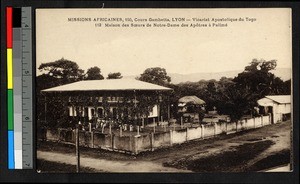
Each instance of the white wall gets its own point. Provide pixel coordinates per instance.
(279, 110)
(284, 108)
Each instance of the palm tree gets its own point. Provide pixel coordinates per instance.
(238, 102)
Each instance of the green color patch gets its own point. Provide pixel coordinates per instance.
(10, 109)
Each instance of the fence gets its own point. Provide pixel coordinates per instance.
(139, 143)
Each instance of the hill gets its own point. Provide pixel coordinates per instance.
(283, 73)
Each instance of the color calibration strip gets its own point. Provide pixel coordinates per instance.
(10, 102)
(19, 87)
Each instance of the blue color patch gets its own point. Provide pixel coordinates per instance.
(11, 155)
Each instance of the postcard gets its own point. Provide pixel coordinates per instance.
(164, 90)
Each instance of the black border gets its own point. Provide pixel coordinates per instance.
(32, 176)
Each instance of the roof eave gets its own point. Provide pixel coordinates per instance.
(107, 90)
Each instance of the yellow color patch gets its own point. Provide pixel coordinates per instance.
(9, 69)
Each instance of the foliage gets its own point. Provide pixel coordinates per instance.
(238, 102)
(156, 75)
(56, 116)
(117, 75)
(94, 73)
(65, 70)
(136, 106)
(55, 73)
(236, 97)
(257, 79)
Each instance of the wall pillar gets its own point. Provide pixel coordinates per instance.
(186, 138)
(130, 143)
(120, 131)
(215, 130)
(202, 131)
(135, 145)
(112, 141)
(171, 137)
(152, 141)
(92, 139)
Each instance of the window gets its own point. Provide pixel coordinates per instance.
(93, 112)
(86, 111)
(100, 112)
(114, 113)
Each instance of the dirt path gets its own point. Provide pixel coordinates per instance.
(282, 141)
(106, 165)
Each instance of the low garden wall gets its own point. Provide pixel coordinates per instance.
(139, 143)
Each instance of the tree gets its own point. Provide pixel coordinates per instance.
(55, 73)
(238, 102)
(117, 75)
(65, 70)
(94, 73)
(155, 75)
(211, 87)
(287, 87)
(257, 78)
(255, 82)
(262, 65)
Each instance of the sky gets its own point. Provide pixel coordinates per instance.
(178, 50)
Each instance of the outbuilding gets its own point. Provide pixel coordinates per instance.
(190, 108)
(278, 105)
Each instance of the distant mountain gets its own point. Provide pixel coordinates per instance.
(195, 77)
(283, 73)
